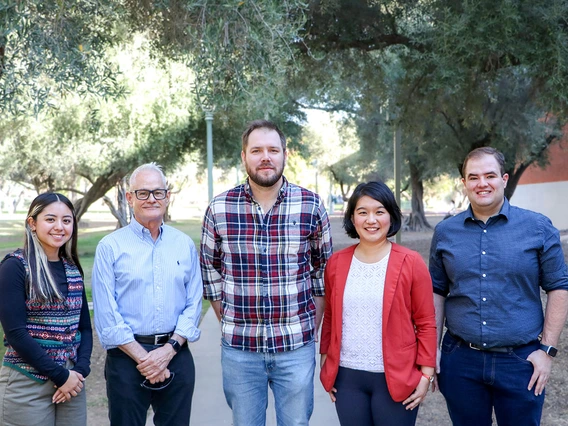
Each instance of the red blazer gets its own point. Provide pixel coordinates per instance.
(409, 323)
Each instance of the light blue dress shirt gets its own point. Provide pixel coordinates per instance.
(146, 287)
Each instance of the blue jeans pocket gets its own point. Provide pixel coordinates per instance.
(521, 355)
(449, 344)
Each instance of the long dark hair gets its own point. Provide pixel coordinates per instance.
(40, 282)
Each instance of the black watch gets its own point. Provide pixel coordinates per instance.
(175, 344)
(550, 350)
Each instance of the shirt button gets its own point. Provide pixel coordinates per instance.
(482, 252)
(485, 344)
(483, 275)
(484, 299)
(484, 323)
(485, 231)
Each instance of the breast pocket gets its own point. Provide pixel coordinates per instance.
(293, 238)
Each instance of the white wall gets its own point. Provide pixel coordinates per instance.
(550, 199)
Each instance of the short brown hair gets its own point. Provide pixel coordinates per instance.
(480, 152)
(262, 124)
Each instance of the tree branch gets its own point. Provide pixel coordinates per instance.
(334, 108)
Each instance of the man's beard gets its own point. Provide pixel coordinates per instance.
(265, 181)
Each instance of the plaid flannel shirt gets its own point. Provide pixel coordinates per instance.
(266, 268)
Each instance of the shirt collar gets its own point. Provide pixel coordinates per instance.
(503, 212)
(141, 230)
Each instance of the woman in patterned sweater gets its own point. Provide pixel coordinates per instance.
(378, 340)
(45, 317)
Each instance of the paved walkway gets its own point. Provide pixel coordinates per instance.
(209, 406)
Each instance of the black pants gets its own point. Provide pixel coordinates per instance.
(128, 402)
(363, 399)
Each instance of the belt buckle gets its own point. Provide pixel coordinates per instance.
(472, 346)
(157, 337)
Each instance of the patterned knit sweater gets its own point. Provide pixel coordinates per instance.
(53, 325)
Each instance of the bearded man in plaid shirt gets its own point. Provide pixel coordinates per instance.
(264, 246)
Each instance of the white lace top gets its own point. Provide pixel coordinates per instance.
(361, 340)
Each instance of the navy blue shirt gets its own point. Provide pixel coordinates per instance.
(491, 274)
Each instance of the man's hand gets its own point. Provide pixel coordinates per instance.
(435, 382)
(153, 365)
(162, 376)
(323, 357)
(542, 364)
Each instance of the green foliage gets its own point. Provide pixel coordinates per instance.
(99, 142)
(239, 50)
(453, 75)
(49, 49)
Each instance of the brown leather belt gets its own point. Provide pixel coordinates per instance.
(500, 349)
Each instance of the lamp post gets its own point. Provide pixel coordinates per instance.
(392, 118)
(315, 165)
(397, 166)
(209, 122)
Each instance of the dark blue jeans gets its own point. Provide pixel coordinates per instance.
(128, 402)
(476, 382)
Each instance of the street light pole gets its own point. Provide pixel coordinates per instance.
(397, 166)
(315, 165)
(209, 122)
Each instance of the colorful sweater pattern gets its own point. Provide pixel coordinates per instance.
(53, 325)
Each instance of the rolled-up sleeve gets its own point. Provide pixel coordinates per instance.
(188, 321)
(423, 314)
(210, 258)
(440, 281)
(554, 274)
(110, 326)
(321, 250)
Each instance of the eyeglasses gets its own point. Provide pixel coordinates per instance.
(158, 385)
(144, 194)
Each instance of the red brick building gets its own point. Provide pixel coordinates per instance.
(546, 190)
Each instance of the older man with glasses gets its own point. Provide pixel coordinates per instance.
(147, 292)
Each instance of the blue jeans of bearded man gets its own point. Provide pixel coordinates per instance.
(290, 375)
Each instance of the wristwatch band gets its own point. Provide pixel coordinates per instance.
(175, 344)
(550, 350)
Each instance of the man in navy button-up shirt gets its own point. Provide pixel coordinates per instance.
(488, 265)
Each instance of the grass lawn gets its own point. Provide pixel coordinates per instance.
(11, 237)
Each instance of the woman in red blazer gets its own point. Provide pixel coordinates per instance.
(378, 345)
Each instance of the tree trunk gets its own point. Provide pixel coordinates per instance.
(98, 190)
(416, 221)
(122, 221)
(514, 177)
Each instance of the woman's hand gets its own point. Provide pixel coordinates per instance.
(72, 387)
(332, 394)
(333, 390)
(418, 395)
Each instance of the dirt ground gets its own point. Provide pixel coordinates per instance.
(433, 411)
